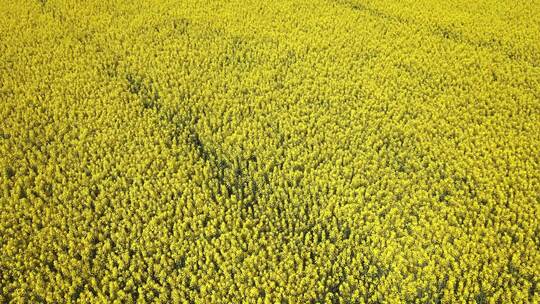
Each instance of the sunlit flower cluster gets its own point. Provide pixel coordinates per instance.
(336, 151)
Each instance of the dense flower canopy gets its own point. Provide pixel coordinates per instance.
(321, 151)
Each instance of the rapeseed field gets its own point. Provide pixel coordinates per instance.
(322, 151)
